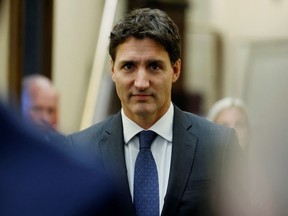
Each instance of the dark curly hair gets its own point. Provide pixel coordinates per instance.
(146, 22)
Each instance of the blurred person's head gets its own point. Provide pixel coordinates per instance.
(39, 100)
(231, 112)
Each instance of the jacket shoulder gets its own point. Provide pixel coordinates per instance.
(93, 133)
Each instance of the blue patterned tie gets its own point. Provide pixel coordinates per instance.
(146, 186)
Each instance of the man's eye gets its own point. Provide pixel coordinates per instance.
(128, 66)
(154, 67)
(50, 111)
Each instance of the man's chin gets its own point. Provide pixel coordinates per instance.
(142, 111)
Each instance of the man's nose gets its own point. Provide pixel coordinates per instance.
(142, 80)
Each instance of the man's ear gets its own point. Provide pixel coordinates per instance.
(112, 68)
(176, 70)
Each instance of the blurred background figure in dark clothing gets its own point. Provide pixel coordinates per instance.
(41, 179)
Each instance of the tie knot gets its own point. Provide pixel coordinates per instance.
(146, 138)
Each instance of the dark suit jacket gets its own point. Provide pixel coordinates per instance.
(37, 178)
(199, 151)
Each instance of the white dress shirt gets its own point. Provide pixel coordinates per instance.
(161, 149)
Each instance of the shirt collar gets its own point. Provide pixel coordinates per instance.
(163, 127)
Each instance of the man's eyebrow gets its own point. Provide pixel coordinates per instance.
(126, 61)
(149, 61)
(158, 61)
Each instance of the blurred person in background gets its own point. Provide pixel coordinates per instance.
(231, 112)
(39, 178)
(39, 101)
(266, 164)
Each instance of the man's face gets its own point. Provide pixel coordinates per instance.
(143, 76)
(42, 107)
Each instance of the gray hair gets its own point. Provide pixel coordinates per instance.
(224, 104)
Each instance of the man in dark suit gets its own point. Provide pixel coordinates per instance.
(190, 153)
(39, 178)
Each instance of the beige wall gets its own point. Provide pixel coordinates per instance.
(4, 45)
(244, 23)
(240, 23)
(258, 18)
(76, 25)
(76, 29)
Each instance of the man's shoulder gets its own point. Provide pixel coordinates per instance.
(95, 131)
(201, 127)
(198, 121)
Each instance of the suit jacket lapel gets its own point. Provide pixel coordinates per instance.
(183, 152)
(112, 151)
